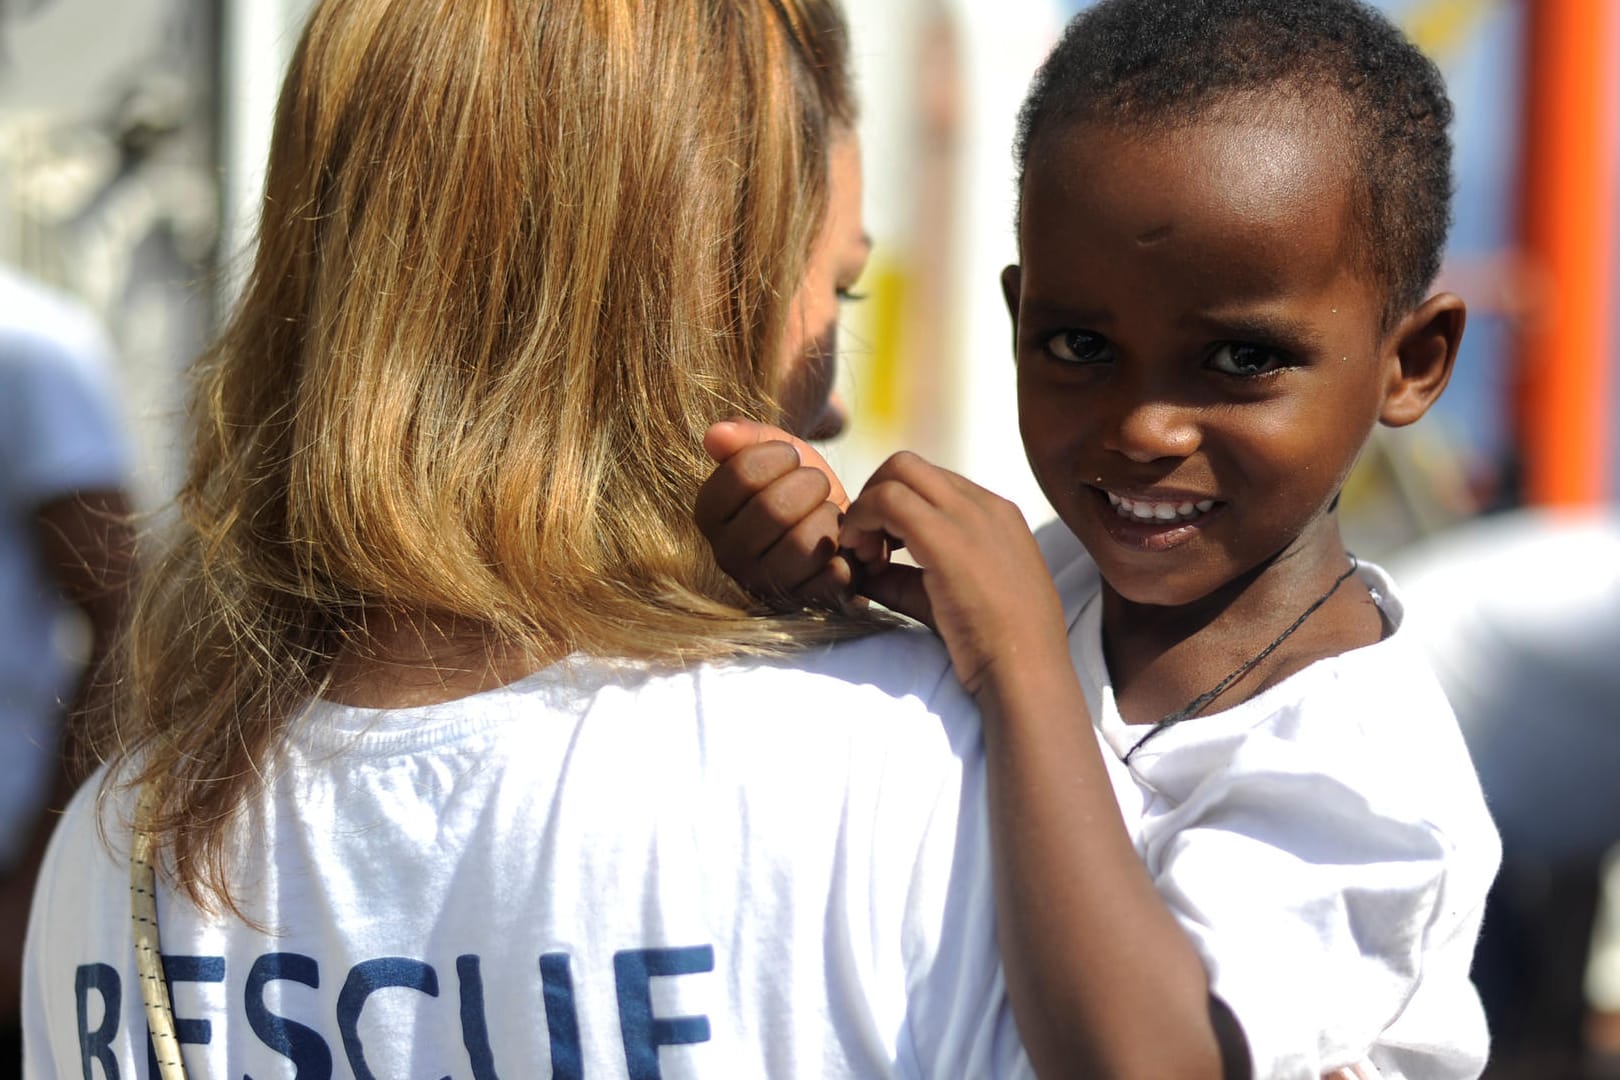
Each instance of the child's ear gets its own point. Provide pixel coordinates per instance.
(1012, 286)
(1012, 283)
(1419, 355)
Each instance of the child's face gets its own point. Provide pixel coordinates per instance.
(1199, 356)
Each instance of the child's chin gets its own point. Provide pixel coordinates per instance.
(1158, 593)
(1155, 582)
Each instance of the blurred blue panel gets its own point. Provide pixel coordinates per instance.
(1484, 73)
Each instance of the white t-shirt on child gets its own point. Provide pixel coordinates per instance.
(1324, 843)
(758, 870)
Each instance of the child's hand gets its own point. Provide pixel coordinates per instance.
(980, 581)
(770, 511)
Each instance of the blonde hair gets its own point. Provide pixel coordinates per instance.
(515, 256)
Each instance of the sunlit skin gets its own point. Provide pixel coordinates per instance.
(1205, 348)
(810, 407)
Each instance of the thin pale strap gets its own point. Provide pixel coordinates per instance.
(143, 917)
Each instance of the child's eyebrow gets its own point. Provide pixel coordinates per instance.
(1301, 333)
(1049, 310)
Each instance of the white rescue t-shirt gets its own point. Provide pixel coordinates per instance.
(763, 870)
(1324, 844)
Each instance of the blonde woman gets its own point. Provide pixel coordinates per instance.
(456, 754)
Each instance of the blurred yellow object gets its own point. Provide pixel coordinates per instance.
(1440, 27)
(880, 375)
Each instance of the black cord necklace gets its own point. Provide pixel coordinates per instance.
(1202, 701)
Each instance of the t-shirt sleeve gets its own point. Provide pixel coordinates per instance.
(1309, 897)
(61, 428)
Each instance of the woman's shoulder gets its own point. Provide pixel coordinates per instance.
(864, 698)
(86, 862)
(895, 684)
(98, 815)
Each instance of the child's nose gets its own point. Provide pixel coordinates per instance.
(1148, 430)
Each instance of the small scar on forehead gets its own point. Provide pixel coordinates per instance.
(1155, 236)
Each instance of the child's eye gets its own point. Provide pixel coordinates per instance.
(1078, 347)
(850, 296)
(1240, 359)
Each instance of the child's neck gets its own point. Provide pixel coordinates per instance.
(1161, 659)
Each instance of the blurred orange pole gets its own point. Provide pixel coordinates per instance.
(1568, 221)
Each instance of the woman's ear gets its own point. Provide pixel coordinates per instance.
(1419, 355)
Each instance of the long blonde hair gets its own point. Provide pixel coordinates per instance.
(515, 256)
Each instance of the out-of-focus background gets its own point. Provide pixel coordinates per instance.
(131, 147)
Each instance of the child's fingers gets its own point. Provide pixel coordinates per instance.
(737, 480)
(783, 506)
(931, 511)
(888, 512)
(900, 588)
(802, 553)
(937, 485)
(921, 496)
(867, 549)
(729, 437)
(832, 586)
(781, 536)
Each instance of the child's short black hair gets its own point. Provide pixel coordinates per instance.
(1160, 63)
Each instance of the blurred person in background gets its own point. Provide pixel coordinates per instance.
(64, 544)
(1519, 614)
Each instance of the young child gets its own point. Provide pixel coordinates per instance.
(1231, 214)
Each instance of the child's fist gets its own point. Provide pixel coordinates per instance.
(979, 579)
(771, 512)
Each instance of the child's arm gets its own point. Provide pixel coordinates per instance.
(1103, 980)
(1041, 844)
(771, 511)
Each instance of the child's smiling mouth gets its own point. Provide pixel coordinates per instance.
(1164, 512)
(1145, 523)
